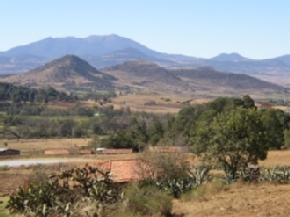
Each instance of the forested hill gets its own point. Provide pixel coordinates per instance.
(18, 94)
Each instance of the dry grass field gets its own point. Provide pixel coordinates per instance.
(211, 200)
(237, 200)
(39, 145)
(155, 103)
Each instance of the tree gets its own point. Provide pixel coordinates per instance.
(155, 132)
(274, 123)
(248, 102)
(232, 140)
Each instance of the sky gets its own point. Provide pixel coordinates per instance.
(257, 29)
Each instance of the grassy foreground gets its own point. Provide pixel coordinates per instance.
(3, 202)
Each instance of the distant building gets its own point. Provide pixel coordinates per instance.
(8, 152)
(122, 170)
(99, 150)
(86, 151)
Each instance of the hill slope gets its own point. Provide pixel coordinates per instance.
(68, 72)
(93, 45)
(222, 79)
(109, 50)
(192, 81)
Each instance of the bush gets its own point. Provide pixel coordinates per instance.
(74, 190)
(147, 201)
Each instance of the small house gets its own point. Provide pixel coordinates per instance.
(8, 152)
(86, 151)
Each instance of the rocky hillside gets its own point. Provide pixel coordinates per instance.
(67, 72)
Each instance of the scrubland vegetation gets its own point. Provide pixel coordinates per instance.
(226, 136)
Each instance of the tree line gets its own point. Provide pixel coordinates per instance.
(183, 128)
(17, 94)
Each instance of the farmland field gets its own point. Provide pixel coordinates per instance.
(155, 103)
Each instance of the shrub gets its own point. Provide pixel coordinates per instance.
(64, 194)
(147, 200)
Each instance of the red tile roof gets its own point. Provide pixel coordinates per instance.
(125, 171)
(121, 170)
(86, 152)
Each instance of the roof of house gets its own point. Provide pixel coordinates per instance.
(56, 151)
(117, 151)
(3, 149)
(121, 170)
(125, 170)
(86, 151)
(8, 149)
(100, 149)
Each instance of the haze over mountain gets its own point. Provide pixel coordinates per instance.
(109, 50)
(73, 73)
(229, 57)
(124, 55)
(190, 81)
(52, 48)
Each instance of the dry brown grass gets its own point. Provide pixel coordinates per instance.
(238, 200)
(30, 145)
(277, 158)
(136, 102)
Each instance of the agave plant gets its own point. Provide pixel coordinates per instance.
(280, 174)
(193, 177)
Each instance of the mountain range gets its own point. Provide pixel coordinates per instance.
(71, 73)
(110, 50)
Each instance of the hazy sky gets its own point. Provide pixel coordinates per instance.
(201, 28)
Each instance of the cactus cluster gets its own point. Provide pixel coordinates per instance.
(266, 174)
(58, 195)
(278, 174)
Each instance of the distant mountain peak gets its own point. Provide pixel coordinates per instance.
(66, 72)
(140, 63)
(229, 57)
(69, 60)
(136, 65)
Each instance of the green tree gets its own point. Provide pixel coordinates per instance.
(232, 140)
(248, 102)
(155, 132)
(274, 123)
